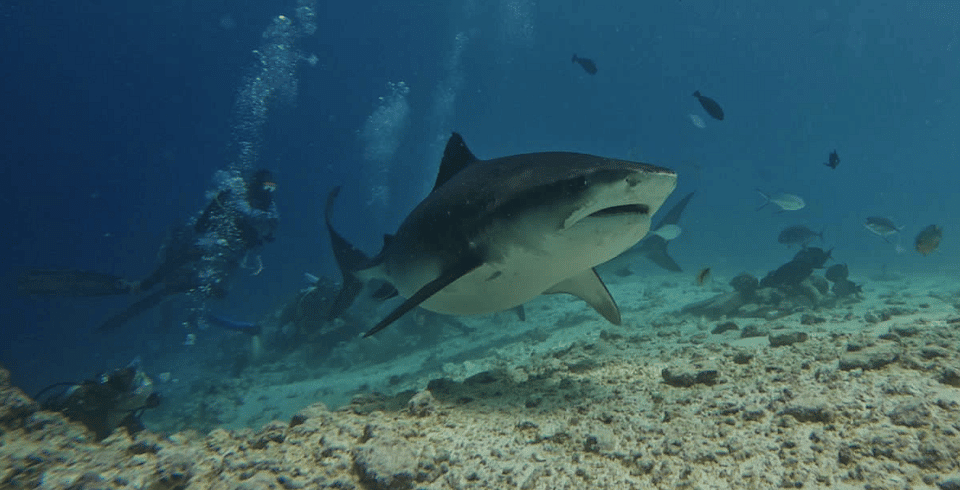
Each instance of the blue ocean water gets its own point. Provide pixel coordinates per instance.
(119, 115)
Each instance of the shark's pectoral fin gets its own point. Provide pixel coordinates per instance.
(458, 270)
(589, 287)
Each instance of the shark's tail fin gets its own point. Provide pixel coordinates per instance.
(349, 259)
(655, 249)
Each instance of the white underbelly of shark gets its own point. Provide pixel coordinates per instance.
(528, 267)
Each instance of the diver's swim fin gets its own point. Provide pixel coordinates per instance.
(72, 283)
(135, 310)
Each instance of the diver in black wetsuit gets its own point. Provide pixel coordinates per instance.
(197, 260)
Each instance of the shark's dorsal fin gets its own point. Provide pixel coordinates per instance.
(456, 156)
(589, 287)
(463, 267)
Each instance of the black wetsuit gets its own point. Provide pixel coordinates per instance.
(200, 257)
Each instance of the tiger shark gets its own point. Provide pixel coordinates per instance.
(494, 234)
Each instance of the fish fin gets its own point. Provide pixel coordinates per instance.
(456, 156)
(350, 260)
(673, 216)
(574, 59)
(589, 287)
(460, 269)
(521, 313)
(655, 249)
(134, 310)
(765, 197)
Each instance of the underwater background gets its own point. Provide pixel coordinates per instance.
(118, 115)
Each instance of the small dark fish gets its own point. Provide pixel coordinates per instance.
(237, 326)
(928, 239)
(790, 274)
(834, 160)
(798, 234)
(702, 276)
(846, 287)
(837, 273)
(587, 64)
(815, 257)
(794, 272)
(710, 106)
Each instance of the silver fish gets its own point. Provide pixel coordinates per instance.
(786, 202)
(882, 227)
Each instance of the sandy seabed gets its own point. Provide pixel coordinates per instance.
(863, 394)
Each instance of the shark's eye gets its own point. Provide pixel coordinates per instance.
(623, 209)
(577, 185)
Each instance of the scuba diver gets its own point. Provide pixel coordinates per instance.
(197, 260)
(112, 400)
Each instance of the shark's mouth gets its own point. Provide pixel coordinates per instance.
(621, 210)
